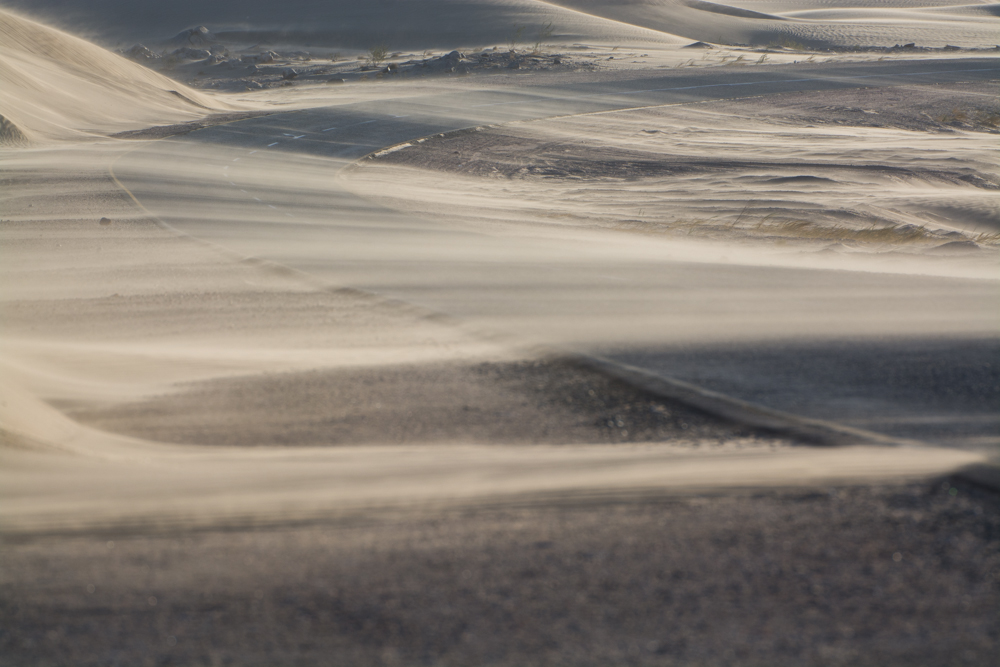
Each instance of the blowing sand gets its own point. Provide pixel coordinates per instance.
(223, 441)
(911, 171)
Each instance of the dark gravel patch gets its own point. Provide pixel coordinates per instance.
(879, 576)
(505, 402)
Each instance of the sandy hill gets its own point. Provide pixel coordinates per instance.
(817, 23)
(433, 24)
(56, 86)
(348, 24)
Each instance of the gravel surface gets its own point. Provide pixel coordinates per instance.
(906, 575)
(504, 402)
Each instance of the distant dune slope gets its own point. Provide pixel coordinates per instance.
(347, 24)
(808, 22)
(436, 24)
(56, 86)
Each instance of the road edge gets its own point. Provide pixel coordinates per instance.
(813, 431)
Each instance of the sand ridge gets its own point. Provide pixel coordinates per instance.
(54, 86)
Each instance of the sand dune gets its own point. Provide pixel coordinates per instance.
(454, 24)
(57, 86)
(400, 24)
(825, 25)
(210, 333)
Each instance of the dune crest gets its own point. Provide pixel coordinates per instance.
(54, 86)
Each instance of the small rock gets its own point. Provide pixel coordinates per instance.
(139, 53)
(187, 53)
(261, 58)
(699, 45)
(288, 73)
(197, 36)
(557, 61)
(105, 221)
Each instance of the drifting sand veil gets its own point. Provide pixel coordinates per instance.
(56, 86)
(213, 453)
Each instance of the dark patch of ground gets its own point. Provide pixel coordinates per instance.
(254, 69)
(505, 152)
(882, 576)
(509, 402)
(973, 107)
(508, 152)
(162, 131)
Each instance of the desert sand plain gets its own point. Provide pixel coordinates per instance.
(499, 332)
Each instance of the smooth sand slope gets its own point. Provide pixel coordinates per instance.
(828, 25)
(342, 24)
(404, 24)
(54, 86)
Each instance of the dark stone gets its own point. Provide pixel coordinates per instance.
(187, 53)
(197, 36)
(139, 53)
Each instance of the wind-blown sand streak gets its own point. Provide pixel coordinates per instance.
(224, 452)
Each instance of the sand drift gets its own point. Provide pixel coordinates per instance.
(500, 332)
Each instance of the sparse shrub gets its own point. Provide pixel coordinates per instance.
(787, 43)
(515, 38)
(377, 55)
(990, 119)
(977, 117)
(544, 33)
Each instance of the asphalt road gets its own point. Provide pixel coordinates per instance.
(907, 355)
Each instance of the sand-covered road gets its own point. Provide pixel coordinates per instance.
(267, 188)
(265, 402)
